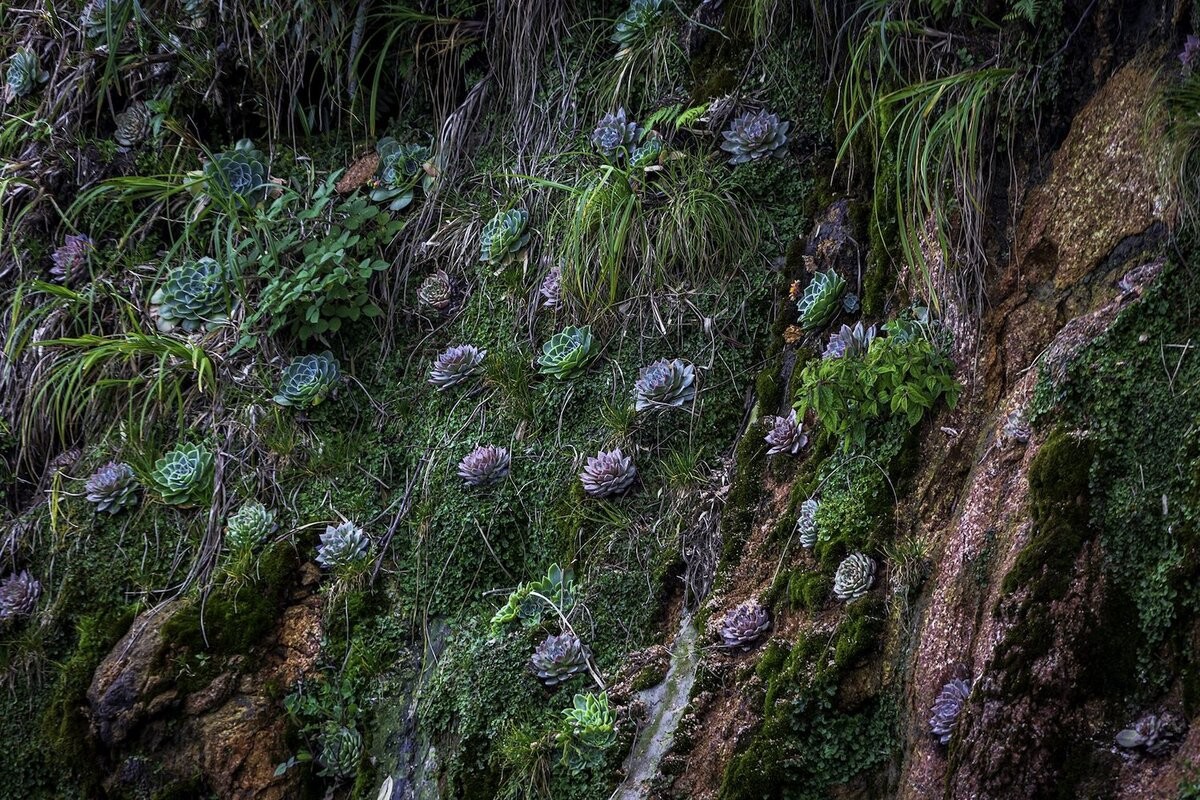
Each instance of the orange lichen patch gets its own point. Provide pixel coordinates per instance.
(358, 173)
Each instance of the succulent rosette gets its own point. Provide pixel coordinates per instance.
(241, 174)
(504, 237)
(19, 594)
(849, 342)
(71, 258)
(340, 751)
(946, 709)
(665, 384)
(24, 74)
(308, 380)
(755, 135)
(112, 488)
(485, 465)
(133, 125)
(806, 523)
(567, 352)
(615, 133)
(184, 476)
(607, 474)
(559, 658)
(744, 625)
(588, 731)
(1154, 734)
(786, 435)
(436, 291)
(551, 289)
(455, 365)
(854, 577)
(194, 296)
(249, 526)
(343, 547)
(639, 18)
(821, 298)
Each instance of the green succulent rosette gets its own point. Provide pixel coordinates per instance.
(308, 380)
(194, 296)
(504, 236)
(567, 352)
(184, 476)
(821, 299)
(241, 175)
(401, 168)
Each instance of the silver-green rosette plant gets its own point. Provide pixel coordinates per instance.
(744, 625)
(343, 548)
(133, 125)
(24, 74)
(587, 732)
(607, 474)
(559, 658)
(99, 15)
(194, 296)
(526, 602)
(806, 523)
(401, 167)
(820, 300)
(664, 384)
(241, 175)
(19, 593)
(184, 476)
(632, 25)
(849, 342)
(647, 153)
(615, 134)
(485, 465)
(854, 577)
(112, 488)
(308, 380)
(567, 352)
(1154, 734)
(455, 365)
(249, 526)
(340, 749)
(755, 135)
(504, 236)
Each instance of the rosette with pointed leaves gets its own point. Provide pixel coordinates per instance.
(608, 473)
(615, 134)
(436, 291)
(18, 595)
(247, 527)
(343, 547)
(133, 125)
(744, 625)
(340, 751)
(1153, 734)
(786, 435)
(523, 604)
(485, 465)
(820, 299)
(665, 384)
(552, 288)
(99, 15)
(401, 167)
(1190, 55)
(637, 19)
(646, 154)
(455, 365)
(308, 380)
(947, 707)
(241, 175)
(113, 487)
(24, 74)
(567, 352)
(849, 342)
(504, 236)
(806, 522)
(850, 303)
(559, 658)
(854, 577)
(754, 135)
(587, 731)
(71, 259)
(184, 475)
(194, 295)
(1016, 428)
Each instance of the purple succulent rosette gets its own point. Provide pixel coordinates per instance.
(608, 474)
(786, 435)
(485, 465)
(744, 625)
(947, 707)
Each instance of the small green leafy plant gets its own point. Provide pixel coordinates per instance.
(557, 586)
(587, 732)
(184, 476)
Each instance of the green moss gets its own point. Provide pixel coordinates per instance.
(809, 590)
(767, 389)
(859, 632)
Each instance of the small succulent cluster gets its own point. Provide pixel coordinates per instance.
(744, 625)
(1189, 57)
(551, 289)
(71, 258)
(1015, 429)
(184, 475)
(24, 74)
(637, 19)
(436, 291)
(504, 236)
(194, 296)
(849, 342)
(401, 167)
(523, 604)
(946, 709)
(567, 352)
(308, 380)
(247, 527)
(786, 434)
(850, 302)
(133, 125)
(647, 153)
(665, 384)
(99, 14)
(587, 731)
(607, 474)
(112, 488)
(854, 577)
(340, 750)
(1153, 734)
(239, 175)
(343, 547)
(806, 523)
(615, 134)
(754, 135)
(19, 593)
(485, 465)
(455, 365)
(820, 299)
(559, 658)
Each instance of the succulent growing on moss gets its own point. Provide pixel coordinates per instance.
(455, 365)
(806, 522)
(436, 291)
(754, 135)
(24, 74)
(646, 154)
(133, 125)
(786, 435)
(239, 175)
(1153, 734)
(557, 586)
(820, 299)
(18, 595)
(112, 488)
(854, 577)
(248, 526)
(587, 731)
(340, 751)
(485, 465)
(401, 167)
(665, 384)
(849, 342)
(504, 236)
(947, 707)
(551, 288)
(71, 258)
(637, 19)
(342, 547)
(615, 133)
(744, 625)
(194, 295)
(308, 380)
(566, 352)
(184, 475)
(559, 658)
(608, 473)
